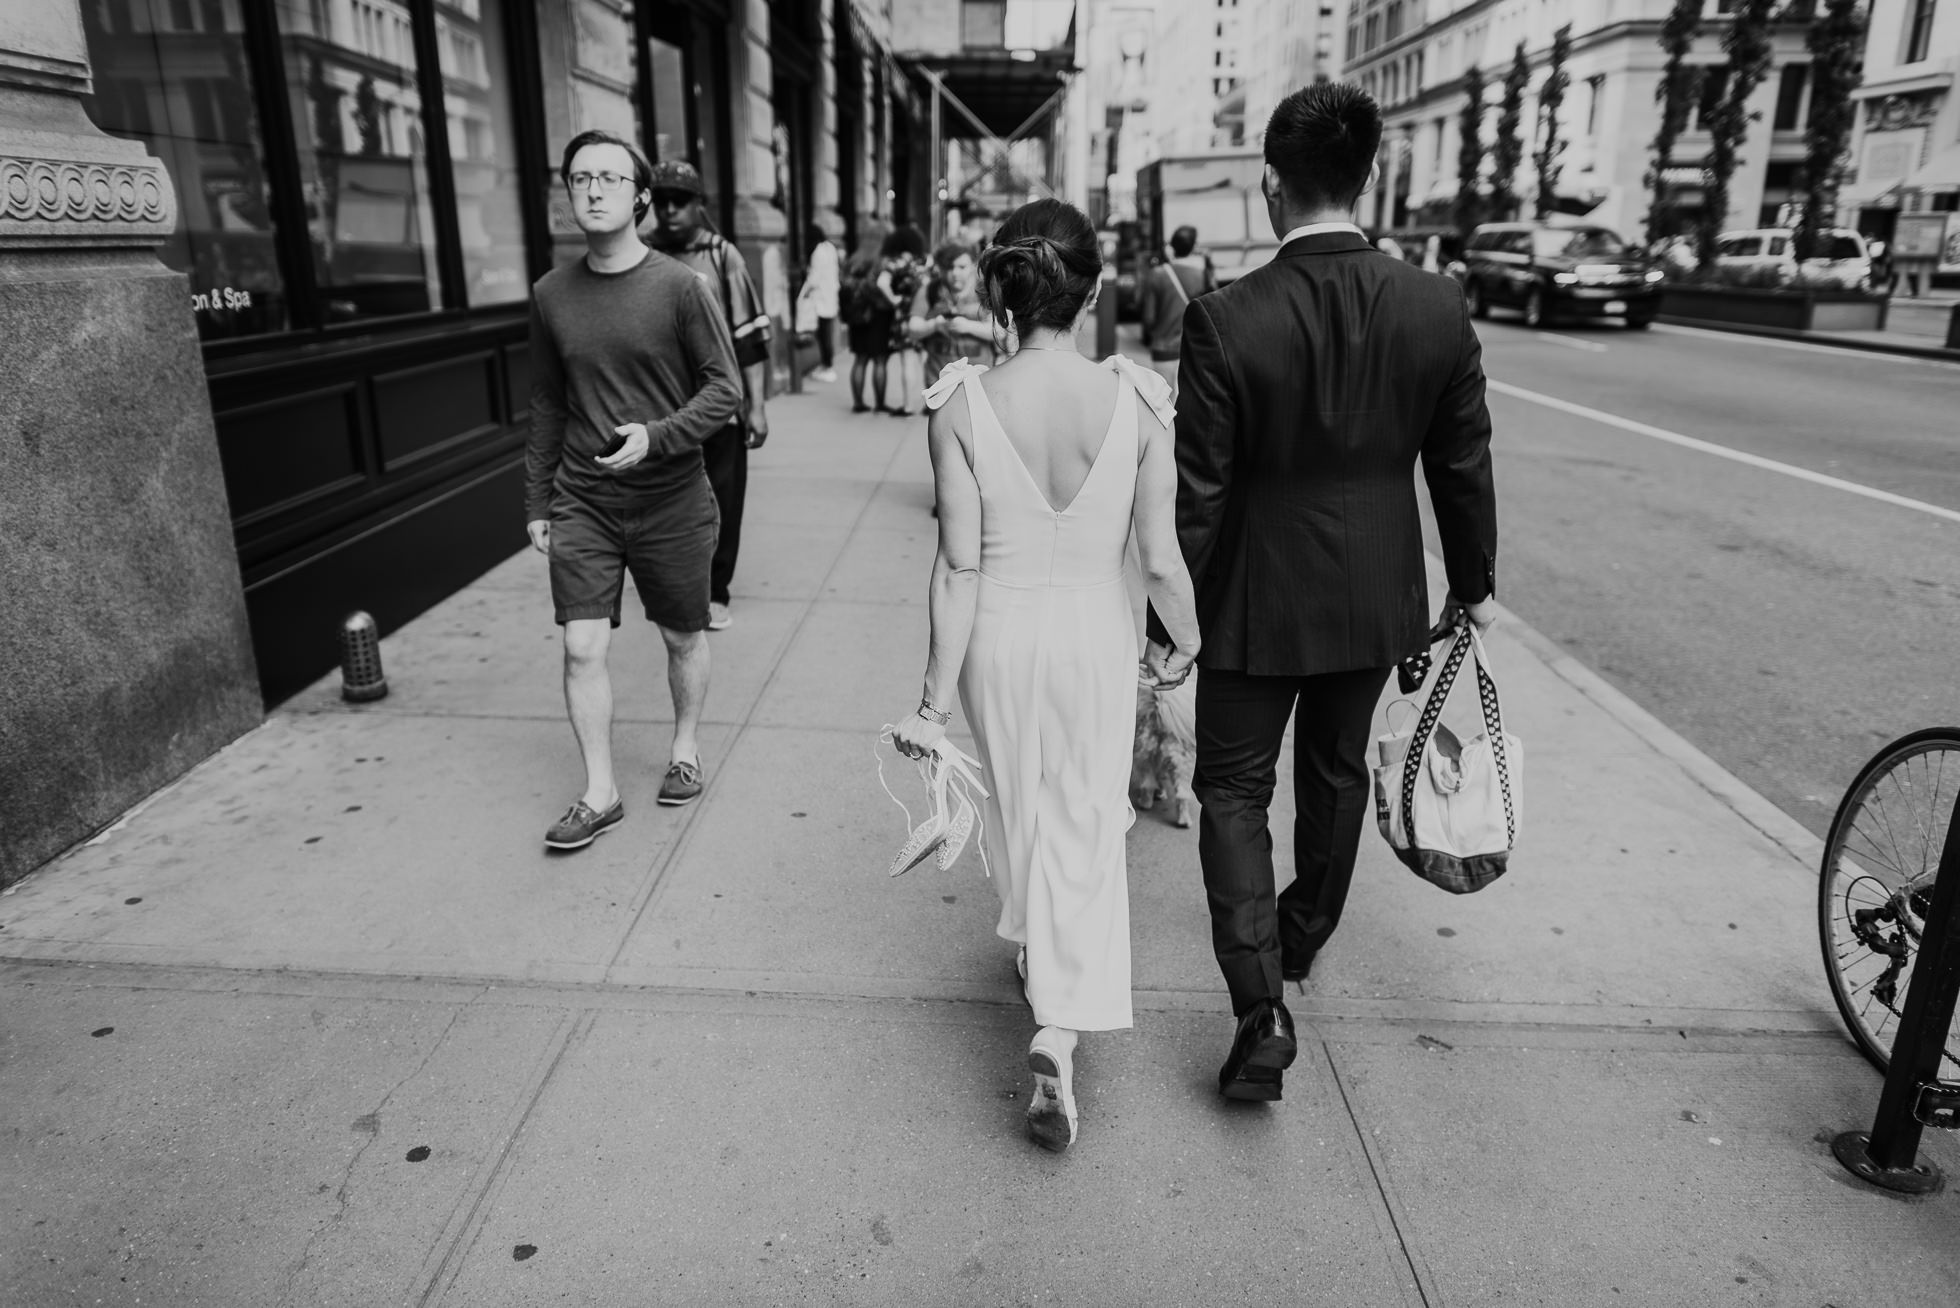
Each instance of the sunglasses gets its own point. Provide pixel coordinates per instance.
(673, 199)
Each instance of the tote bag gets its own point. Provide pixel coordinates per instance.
(1450, 808)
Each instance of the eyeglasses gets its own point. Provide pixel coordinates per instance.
(609, 183)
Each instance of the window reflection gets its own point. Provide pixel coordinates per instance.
(482, 149)
(587, 52)
(174, 76)
(357, 117)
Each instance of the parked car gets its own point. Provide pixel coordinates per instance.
(1842, 257)
(1549, 272)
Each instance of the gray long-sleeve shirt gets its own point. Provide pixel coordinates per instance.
(646, 345)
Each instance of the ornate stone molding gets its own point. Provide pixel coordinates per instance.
(62, 196)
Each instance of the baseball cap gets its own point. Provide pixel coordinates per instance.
(676, 175)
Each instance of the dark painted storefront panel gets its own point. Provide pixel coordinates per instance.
(395, 570)
(423, 410)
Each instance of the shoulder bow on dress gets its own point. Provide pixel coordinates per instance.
(1156, 392)
(950, 378)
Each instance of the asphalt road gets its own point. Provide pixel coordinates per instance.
(1787, 627)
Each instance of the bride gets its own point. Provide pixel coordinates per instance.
(1043, 468)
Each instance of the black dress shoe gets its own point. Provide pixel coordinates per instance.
(1261, 1051)
(1295, 967)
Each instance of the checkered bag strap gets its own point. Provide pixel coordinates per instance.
(1467, 642)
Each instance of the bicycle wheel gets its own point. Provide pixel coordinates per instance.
(1876, 885)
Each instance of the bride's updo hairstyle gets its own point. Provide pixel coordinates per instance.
(1042, 266)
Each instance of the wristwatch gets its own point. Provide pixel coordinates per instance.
(931, 714)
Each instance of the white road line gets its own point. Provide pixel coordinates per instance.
(1812, 347)
(1591, 347)
(1722, 451)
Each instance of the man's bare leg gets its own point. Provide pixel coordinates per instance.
(687, 680)
(589, 701)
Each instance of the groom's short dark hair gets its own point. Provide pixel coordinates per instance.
(1321, 140)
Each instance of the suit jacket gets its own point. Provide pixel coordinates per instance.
(1307, 392)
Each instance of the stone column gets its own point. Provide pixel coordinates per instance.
(759, 225)
(123, 638)
(829, 194)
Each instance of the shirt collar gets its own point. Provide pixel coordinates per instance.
(1317, 229)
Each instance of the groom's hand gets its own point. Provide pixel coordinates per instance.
(1482, 615)
(1167, 667)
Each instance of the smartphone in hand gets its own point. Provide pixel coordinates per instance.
(614, 446)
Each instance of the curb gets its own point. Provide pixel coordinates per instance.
(1816, 338)
(1782, 830)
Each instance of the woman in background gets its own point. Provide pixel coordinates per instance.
(947, 316)
(902, 274)
(867, 317)
(816, 303)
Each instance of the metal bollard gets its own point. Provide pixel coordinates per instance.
(361, 678)
(1914, 1097)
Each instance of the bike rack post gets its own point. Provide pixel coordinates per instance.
(1914, 1097)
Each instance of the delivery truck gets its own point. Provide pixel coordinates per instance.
(1216, 192)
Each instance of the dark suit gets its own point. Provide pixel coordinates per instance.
(1308, 391)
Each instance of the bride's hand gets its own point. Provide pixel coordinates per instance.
(914, 736)
(1167, 667)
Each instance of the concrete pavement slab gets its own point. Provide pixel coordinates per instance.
(368, 843)
(733, 1159)
(1630, 1175)
(851, 667)
(159, 1147)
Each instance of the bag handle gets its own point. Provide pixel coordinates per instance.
(1467, 642)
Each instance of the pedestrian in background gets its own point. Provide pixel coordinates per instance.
(816, 303)
(681, 229)
(866, 317)
(902, 273)
(947, 316)
(632, 372)
(1312, 388)
(1170, 287)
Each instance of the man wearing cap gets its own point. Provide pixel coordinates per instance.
(680, 230)
(632, 369)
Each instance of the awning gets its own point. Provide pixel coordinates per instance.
(1002, 91)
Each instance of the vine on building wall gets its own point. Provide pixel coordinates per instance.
(1676, 95)
(1551, 97)
(1836, 42)
(1467, 210)
(1748, 45)
(1507, 151)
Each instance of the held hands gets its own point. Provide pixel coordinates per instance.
(1167, 667)
(915, 736)
(630, 453)
(1482, 615)
(540, 530)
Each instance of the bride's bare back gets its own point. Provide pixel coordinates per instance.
(1055, 407)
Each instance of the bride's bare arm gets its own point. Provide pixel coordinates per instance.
(1154, 520)
(955, 569)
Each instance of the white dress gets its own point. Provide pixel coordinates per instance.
(1049, 689)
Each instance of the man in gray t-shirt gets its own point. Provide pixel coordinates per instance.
(632, 370)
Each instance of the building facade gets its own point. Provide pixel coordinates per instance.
(1905, 152)
(351, 200)
(1412, 56)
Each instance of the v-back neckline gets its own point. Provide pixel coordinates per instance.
(1109, 430)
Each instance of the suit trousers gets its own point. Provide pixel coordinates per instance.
(1241, 723)
(727, 456)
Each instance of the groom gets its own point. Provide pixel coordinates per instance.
(1307, 392)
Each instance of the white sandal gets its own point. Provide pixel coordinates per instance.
(1051, 1114)
(952, 778)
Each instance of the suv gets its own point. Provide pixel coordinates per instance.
(1559, 271)
(1841, 258)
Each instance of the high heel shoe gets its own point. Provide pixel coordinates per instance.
(952, 781)
(1051, 1114)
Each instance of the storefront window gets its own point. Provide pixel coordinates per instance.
(587, 59)
(174, 76)
(482, 150)
(666, 67)
(357, 117)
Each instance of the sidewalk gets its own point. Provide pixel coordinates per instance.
(322, 1024)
